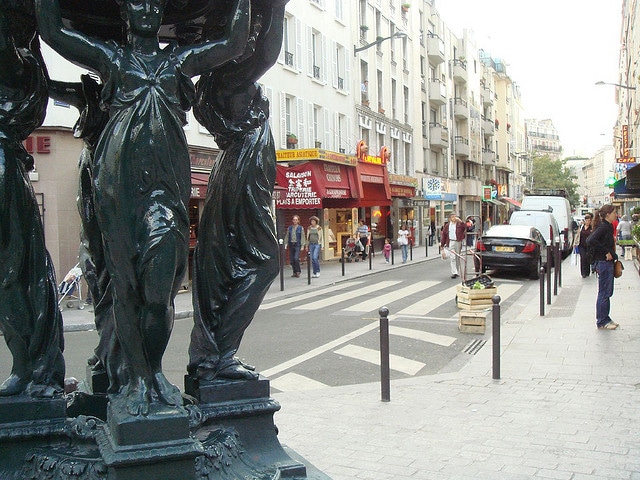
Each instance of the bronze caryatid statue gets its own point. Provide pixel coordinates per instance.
(141, 174)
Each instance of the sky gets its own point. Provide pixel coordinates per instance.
(555, 50)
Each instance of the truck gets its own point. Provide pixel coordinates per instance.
(556, 202)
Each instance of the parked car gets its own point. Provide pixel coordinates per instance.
(513, 247)
(545, 222)
(559, 206)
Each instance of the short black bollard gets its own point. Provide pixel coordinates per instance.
(281, 264)
(411, 250)
(495, 329)
(342, 261)
(549, 260)
(542, 291)
(392, 249)
(426, 247)
(556, 269)
(308, 267)
(370, 256)
(385, 377)
(559, 268)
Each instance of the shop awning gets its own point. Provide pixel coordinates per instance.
(199, 182)
(629, 186)
(308, 184)
(493, 201)
(513, 202)
(373, 185)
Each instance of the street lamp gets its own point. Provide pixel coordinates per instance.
(378, 41)
(615, 85)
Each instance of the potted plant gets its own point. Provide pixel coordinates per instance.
(364, 28)
(291, 139)
(405, 7)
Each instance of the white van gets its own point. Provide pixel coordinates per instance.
(543, 221)
(561, 209)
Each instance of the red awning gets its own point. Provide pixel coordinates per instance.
(199, 182)
(373, 185)
(308, 184)
(513, 202)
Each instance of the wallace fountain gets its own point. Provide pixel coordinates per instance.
(128, 421)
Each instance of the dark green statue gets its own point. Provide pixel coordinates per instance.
(142, 174)
(29, 314)
(236, 257)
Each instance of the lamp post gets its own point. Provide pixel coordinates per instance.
(378, 41)
(615, 85)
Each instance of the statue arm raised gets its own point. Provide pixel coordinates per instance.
(74, 46)
(203, 57)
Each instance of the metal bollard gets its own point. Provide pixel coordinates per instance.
(411, 250)
(495, 329)
(370, 254)
(556, 269)
(426, 247)
(281, 263)
(559, 268)
(385, 378)
(308, 267)
(549, 258)
(392, 249)
(342, 260)
(542, 291)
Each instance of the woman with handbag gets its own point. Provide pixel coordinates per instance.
(602, 245)
(583, 235)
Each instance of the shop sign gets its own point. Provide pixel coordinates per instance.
(314, 154)
(300, 191)
(401, 191)
(203, 160)
(42, 144)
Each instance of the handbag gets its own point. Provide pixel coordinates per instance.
(617, 269)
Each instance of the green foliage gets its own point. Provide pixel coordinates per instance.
(555, 174)
(635, 232)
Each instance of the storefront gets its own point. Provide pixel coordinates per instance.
(338, 189)
(404, 208)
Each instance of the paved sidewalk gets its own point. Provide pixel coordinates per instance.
(566, 406)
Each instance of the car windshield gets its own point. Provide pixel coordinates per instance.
(509, 231)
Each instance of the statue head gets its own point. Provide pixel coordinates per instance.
(143, 17)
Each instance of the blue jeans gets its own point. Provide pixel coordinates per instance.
(405, 252)
(605, 292)
(294, 256)
(314, 250)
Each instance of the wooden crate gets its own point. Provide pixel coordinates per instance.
(472, 322)
(470, 299)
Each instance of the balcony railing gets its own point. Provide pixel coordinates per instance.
(340, 83)
(316, 72)
(460, 108)
(437, 92)
(435, 49)
(461, 146)
(288, 59)
(438, 136)
(459, 68)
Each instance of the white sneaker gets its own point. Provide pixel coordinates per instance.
(315, 275)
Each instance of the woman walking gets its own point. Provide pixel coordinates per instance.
(583, 235)
(314, 242)
(602, 244)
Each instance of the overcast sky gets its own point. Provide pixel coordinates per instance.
(555, 50)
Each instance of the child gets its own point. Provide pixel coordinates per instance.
(386, 251)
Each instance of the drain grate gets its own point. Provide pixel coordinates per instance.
(474, 347)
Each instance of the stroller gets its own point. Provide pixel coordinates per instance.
(352, 250)
(71, 289)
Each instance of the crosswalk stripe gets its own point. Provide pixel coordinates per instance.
(303, 296)
(396, 294)
(396, 362)
(319, 350)
(295, 382)
(429, 303)
(443, 340)
(343, 297)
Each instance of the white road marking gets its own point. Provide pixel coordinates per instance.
(343, 297)
(396, 294)
(429, 303)
(443, 340)
(304, 296)
(295, 382)
(319, 350)
(400, 364)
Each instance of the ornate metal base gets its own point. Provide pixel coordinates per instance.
(227, 433)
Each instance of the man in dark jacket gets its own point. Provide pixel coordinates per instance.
(603, 248)
(453, 233)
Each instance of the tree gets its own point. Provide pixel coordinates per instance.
(554, 174)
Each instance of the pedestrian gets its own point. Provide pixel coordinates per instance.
(471, 227)
(453, 233)
(581, 241)
(362, 232)
(314, 242)
(602, 244)
(294, 242)
(386, 250)
(624, 230)
(403, 241)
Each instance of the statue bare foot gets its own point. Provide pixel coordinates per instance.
(137, 397)
(167, 392)
(13, 386)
